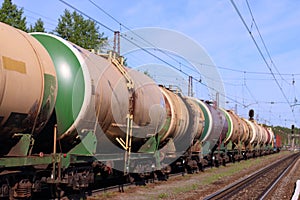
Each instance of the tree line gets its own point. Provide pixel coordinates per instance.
(71, 26)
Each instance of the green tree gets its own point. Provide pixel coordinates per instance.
(38, 26)
(83, 32)
(10, 14)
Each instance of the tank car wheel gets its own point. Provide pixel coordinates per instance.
(56, 191)
(224, 162)
(200, 167)
(216, 163)
(11, 195)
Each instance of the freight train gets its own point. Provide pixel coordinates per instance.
(70, 117)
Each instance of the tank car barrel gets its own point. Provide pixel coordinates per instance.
(28, 85)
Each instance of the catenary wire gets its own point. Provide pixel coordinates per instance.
(263, 42)
(263, 57)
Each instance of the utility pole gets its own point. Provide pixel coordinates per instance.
(190, 87)
(116, 47)
(293, 137)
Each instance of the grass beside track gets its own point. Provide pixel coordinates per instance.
(180, 185)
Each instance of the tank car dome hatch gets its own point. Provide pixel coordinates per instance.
(27, 73)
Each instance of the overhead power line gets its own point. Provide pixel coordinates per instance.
(263, 42)
(44, 17)
(81, 12)
(263, 57)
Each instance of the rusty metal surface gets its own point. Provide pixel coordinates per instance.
(112, 105)
(256, 139)
(246, 132)
(250, 131)
(178, 115)
(271, 135)
(219, 125)
(237, 130)
(23, 65)
(264, 135)
(198, 117)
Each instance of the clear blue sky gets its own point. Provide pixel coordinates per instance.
(217, 27)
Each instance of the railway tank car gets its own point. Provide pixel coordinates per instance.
(27, 75)
(210, 134)
(66, 114)
(215, 126)
(95, 95)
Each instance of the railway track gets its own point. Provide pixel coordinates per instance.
(120, 187)
(102, 192)
(95, 192)
(259, 184)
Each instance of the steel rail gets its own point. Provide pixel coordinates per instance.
(274, 183)
(234, 188)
